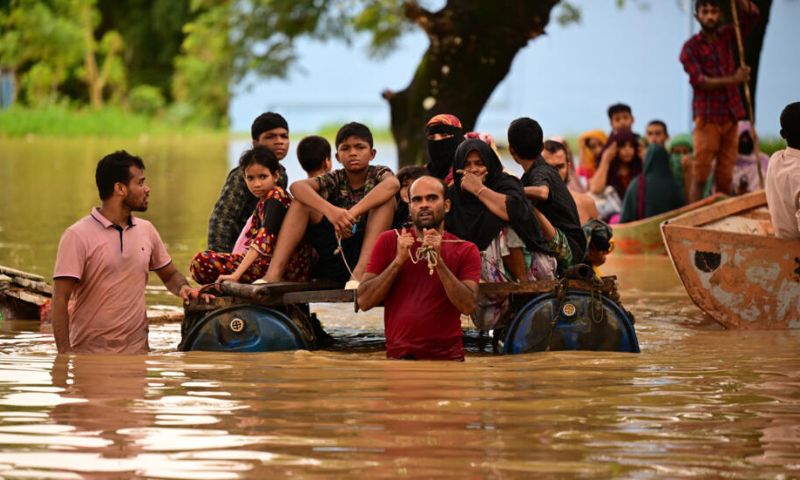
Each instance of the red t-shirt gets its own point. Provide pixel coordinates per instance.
(419, 320)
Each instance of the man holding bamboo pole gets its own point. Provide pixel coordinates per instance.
(717, 106)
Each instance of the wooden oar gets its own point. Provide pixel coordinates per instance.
(747, 96)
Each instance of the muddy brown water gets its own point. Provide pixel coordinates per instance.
(698, 401)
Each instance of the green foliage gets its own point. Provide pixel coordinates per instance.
(46, 43)
(152, 31)
(568, 13)
(264, 32)
(146, 99)
(62, 120)
(37, 84)
(771, 145)
(385, 21)
(201, 84)
(40, 45)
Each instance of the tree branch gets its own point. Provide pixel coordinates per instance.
(420, 16)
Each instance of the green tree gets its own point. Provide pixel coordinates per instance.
(152, 31)
(44, 43)
(471, 47)
(98, 73)
(203, 70)
(40, 45)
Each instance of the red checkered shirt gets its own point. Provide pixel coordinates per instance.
(703, 59)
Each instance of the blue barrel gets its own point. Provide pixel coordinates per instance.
(245, 328)
(577, 321)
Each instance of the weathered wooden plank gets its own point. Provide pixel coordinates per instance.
(263, 292)
(319, 296)
(38, 286)
(13, 272)
(161, 315)
(742, 280)
(517, 287)
(644, 236)
(241, 293)
(26, 296)
(722, 209)
(543, 286)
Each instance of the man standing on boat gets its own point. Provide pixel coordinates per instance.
(783, 177)
(426, 278)
(717, 107)
(105, 259)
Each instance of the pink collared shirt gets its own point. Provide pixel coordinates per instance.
(111, 264)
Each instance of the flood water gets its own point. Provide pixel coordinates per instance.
(698, 401)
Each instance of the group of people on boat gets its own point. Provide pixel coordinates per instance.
(421, 241)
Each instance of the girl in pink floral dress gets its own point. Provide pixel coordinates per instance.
(251, 257)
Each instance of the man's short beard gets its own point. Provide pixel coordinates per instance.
(136, 208)
(708, 29)
(434, 222)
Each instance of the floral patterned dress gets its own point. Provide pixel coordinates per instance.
(261, 233)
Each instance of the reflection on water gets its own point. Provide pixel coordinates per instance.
(698, 402)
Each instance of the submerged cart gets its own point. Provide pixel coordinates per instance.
(578, 313)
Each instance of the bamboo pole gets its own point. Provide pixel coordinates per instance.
(747, 96)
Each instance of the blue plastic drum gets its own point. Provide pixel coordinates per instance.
(579, 321)
(245, 328)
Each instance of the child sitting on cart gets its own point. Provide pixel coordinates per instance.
(340, 213)
(253, 252)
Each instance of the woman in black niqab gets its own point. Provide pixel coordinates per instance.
(444, 134)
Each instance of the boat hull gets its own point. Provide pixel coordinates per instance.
(643, 237)
(742, 280)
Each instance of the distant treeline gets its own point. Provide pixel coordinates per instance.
(159, 58)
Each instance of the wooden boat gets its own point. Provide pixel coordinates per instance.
(22, 294)
(644, 236)
(732, 265)
(569, 314)
(26, 296)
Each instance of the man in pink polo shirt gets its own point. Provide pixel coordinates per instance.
(105, 259)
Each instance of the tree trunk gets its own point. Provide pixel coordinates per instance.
(89, 60)
(754, 42)
(470, 52)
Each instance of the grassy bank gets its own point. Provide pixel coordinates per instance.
(61, 121)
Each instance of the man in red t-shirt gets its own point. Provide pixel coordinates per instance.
(422, 317)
